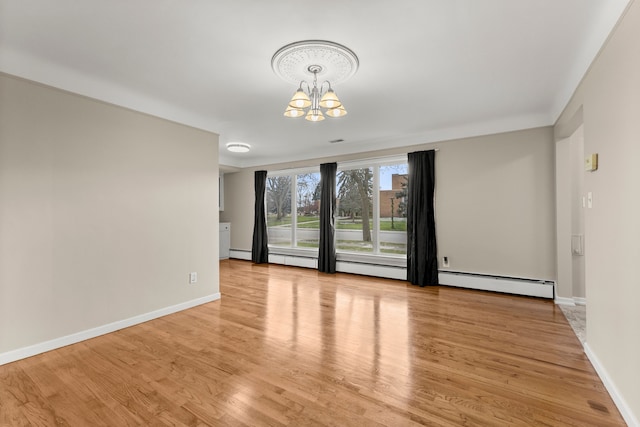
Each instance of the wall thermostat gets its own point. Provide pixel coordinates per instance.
(591, 162)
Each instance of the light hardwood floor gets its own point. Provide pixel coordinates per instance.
(291, 346)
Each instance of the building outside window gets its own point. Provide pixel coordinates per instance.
(393, 209)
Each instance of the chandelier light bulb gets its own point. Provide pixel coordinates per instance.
(315, 115)
(293, 112)
(330, 100)
(336, 112)
(300, 100)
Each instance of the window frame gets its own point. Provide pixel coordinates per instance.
(374, 257)
(375, 164)
(293, 173)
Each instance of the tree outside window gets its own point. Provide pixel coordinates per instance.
(355, 202)
(308, 208)
(279, 210)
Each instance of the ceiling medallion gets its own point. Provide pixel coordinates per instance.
(291, 62)
(297, 62)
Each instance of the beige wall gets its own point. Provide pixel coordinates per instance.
(563, 179)
(103, 213)
(609, 101)
(570, 215)
(495, 206)
(238, 207)
(577, 211)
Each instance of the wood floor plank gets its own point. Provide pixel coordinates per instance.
(291, 347)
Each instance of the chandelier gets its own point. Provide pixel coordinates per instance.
(315, 97)
(299, 61)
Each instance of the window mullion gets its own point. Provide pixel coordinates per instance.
(376, 209)
(294, 210)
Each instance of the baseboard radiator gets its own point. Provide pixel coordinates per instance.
(510, 285)
(240, 254)
(366, 269)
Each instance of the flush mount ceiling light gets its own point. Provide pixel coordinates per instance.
(330, 61)
(238, 147)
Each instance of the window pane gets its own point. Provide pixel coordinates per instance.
(307, 206)
(279, 210)
(354, 210)
(393, 215)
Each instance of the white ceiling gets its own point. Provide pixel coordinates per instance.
(429, 69)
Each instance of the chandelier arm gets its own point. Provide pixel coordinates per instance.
(303, 82)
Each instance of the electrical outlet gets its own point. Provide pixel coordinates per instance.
(445, 261)
(193, 277)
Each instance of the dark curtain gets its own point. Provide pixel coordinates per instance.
(259, 249)
(422, 251)
(327, 248)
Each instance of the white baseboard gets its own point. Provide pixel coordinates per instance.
(570, 301)
(564, 301)
(630, 418)
(32, 350)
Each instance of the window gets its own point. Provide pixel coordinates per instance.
(354, 216)
(307, 231)
(373, 221)
(393, 209)
(279, 210)
(293, 202)
(370, 208)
